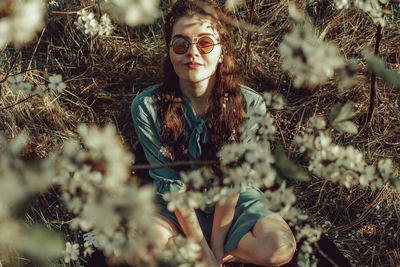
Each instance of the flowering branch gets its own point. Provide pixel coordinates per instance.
(172, 164)
(23, 100)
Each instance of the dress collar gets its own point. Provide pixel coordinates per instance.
(197, 127)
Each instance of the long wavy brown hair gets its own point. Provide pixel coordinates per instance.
(227, 108)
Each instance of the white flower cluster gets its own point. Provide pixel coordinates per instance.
(17, 85)
(337, 163)
(88, 23)
(22, 19)
(19, 180)
(71, 252)
(105, 148)
(309, 235)
(56, 83)
(372, 7)
(202, 189)
(182, 252)
(132, 12)
(97, 187)
(274, 101)
(302, 51)
(281, 201)
(250, 161)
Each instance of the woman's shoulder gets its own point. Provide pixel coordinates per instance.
(252, 97)
(146, 97)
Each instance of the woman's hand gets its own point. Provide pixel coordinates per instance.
(218, 250)
(208, 255)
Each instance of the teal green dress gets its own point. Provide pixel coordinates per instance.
(248, 209)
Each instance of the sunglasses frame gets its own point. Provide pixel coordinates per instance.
(196, 42)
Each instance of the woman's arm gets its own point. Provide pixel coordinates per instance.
(190, 224)
(223, 216)
(191, 227)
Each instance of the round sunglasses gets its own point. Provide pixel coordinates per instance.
(204, 44)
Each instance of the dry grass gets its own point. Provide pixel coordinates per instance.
(105, 73)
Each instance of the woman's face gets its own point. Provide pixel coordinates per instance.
(193, 65)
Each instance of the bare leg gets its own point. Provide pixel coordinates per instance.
(165, 229)
(270, 243)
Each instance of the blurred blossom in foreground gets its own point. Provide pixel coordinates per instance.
(97, 187)
(310, 236)
(20, 21)
(372, 7)
(337, 163)
(309, 59)
(89, 25)
(182, 252)
(133, 12)
(71, 252)
(20, 181)
(17, 86)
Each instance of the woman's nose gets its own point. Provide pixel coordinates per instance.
(193, 50)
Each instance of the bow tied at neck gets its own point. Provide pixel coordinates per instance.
(198, 136)
(197, 127)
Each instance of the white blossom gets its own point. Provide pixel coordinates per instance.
(309, 235)
(183, 252)
(385, 168)
(25, 18)
(18, 86)
(97, 188)
(56, 83)
(337, 163)
(88, 23)
(372, 7)
(274, 101)
(280, 200)
(165, 151)
(71, 252)
(302, 51)
(133, 12)
(316, 122)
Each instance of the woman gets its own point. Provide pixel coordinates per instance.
(199, 107)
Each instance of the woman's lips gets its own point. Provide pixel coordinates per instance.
(193, 65)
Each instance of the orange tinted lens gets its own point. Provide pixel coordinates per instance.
(205, 44)
(180, 46)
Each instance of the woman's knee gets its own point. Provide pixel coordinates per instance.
(164, 229)
(277, 243)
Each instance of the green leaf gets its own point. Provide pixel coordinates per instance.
(334, 112)
(378, 66)
(42, 244)
(346, 112)
(346, 127)
(287, 168)
(22, 206)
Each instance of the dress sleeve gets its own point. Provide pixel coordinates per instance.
(256, 107)
(145, 123)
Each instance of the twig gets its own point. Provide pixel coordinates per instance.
(129, 41)
(326, 256)
(10, 69)
(7, 74)
(23, 100)
(249, 35)
(171, 164)
(34, 51)
(372, 91)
